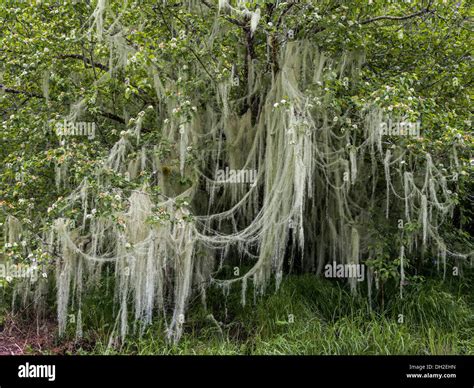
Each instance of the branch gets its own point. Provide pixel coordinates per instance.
(24, 92)
(119, 119)
(112, 116)
(86, 60)
(285, 11)
(107, 115)
(386, 17)
(189, 47)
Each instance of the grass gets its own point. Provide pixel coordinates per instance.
(312, 316)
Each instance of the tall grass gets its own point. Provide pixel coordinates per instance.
(312, 316)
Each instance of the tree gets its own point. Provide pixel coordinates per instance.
(354, 118)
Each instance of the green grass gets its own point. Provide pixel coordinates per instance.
(438, 318)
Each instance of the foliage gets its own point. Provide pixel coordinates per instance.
(179, 89)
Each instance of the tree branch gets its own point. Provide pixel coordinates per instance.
(112, 116)
(86, 60)
(118, 119)
(23, 92)
(396, 18)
